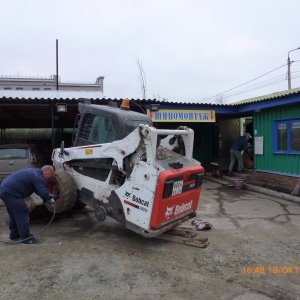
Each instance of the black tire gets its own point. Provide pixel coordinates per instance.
(63, 185)
(39, 212)
(79, 205)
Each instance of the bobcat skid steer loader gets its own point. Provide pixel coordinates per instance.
(126, 169)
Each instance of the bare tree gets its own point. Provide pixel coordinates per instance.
(141, 76)
(157, 96)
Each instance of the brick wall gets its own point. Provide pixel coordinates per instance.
(280, 183)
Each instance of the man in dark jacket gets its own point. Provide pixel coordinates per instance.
(14, 189)
(241, 144)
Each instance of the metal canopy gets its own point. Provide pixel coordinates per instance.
(34, 114)
(39, 113)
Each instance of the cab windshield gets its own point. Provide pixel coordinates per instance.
(130, 125)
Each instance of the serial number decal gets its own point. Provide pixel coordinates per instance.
(276, 270)
(88, 151)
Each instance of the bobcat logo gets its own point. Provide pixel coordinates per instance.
(127, 194)
(169, 211)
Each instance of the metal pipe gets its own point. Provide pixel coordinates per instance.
(172, 132)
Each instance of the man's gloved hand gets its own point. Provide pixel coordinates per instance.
(54, 196)
(51, 201)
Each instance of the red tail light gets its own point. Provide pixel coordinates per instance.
(32, 159)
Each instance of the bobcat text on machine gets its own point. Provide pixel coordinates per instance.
(124, 168)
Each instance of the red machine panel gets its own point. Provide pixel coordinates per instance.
(177, 194)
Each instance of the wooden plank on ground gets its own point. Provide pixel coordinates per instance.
(183, 230)
(201, 242)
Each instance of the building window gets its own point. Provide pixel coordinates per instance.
(286, 136)
(7, 88)
(19, 89)
(36, 89)
(295, 136)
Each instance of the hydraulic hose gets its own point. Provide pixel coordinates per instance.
(38, 233)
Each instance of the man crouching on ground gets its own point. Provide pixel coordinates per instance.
(17, 186)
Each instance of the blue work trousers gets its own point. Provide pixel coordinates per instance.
(236, 155)
(18, 215)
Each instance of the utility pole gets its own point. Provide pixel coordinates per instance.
(289, 67)
(57, 65)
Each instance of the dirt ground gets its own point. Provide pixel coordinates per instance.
(253, 254)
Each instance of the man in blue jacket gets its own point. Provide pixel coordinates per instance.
(241, 144)
(14, 189)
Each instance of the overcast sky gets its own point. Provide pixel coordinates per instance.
(191, 50)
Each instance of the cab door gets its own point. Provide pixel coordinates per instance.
(229, 131)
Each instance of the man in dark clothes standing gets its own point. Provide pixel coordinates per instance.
(235, 152)
(14, 189)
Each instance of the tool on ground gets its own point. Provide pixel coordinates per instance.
(201, 225)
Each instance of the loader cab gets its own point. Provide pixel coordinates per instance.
(99, 124)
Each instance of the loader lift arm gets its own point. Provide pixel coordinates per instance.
(143, 135)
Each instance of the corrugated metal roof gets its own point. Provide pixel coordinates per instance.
(15, 95)
(94, 95)
(191, 103)
(268, 97)
(53, 94)
(98, 95)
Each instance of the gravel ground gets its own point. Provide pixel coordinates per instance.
(80, 258)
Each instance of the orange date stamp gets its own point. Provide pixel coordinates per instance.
(276, 270)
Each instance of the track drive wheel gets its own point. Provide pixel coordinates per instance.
(63, 185)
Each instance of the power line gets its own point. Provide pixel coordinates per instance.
(256, 88)
(260, 86)
(222, 94)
